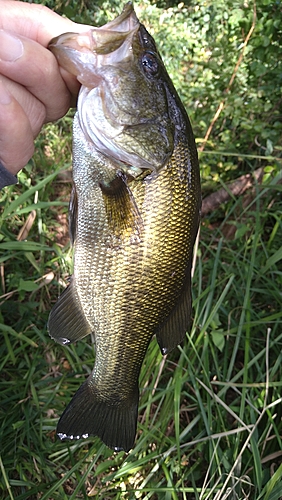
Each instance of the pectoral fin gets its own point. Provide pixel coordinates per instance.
(172, 332)
(122, 212)
(67, 322)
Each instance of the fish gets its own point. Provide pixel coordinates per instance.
(133, 218)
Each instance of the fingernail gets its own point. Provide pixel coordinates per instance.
(5, 96)
(11, 47)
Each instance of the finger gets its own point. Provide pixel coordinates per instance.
(34, 109)
(16, 137)
(40, 24)
(33, 21)
(34, 67)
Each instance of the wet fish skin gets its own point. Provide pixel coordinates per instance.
(134, 218)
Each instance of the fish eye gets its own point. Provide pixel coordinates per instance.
(150, 64)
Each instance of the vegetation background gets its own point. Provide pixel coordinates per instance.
(210, 416)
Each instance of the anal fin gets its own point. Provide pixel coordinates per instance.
(67, 322)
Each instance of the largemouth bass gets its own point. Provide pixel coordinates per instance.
(134, 216)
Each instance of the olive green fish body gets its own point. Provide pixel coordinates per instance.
(133, 224)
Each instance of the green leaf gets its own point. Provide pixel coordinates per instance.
(272, 260)
(218, 339)
(27, 286)
(25, 246)
(12, 207)
(241, 231)
(269, 147)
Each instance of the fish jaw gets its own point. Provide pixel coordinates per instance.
(80, 53)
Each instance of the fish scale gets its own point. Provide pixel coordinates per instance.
(134, 216)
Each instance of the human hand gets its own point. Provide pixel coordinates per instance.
(33, 89)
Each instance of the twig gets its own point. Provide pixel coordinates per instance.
(235, 188)
(24, 232)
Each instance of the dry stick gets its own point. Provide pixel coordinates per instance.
(221, 105)
(24, 232)
(235, 188)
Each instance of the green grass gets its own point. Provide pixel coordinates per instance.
(210, 414)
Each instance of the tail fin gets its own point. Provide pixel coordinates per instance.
(87, 415)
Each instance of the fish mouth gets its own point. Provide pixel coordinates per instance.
(116, 114)
(83, 54)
